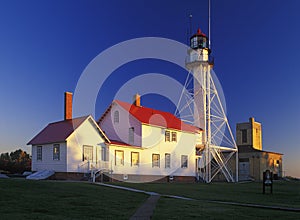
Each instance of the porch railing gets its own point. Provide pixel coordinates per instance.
(88, 166)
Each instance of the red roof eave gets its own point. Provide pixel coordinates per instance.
(122, 144)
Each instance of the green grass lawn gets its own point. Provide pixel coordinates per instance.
(168, 208)
(24, 199)
(285, 194)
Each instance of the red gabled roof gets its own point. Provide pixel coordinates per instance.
(57, 131)
(155, 117)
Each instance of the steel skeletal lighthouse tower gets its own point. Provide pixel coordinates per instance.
(217, 153)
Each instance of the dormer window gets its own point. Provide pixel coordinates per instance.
(116, 117)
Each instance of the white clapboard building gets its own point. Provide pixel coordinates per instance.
(129, 142)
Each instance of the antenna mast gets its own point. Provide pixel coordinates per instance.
(191, 31)
(209, 46)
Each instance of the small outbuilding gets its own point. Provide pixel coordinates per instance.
(253, 160)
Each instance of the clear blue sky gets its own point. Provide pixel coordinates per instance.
(45, 46)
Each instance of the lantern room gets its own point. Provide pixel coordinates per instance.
(199, 40)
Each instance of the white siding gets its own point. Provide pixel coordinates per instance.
(85, 134)
(153, 142)
(120, 131)
(70, 151)
(47, 162)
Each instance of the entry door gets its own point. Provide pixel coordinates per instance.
(244, 171)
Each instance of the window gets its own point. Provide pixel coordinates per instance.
(39, 153)
(131, 135)
(174, 136)
(135, 158)
(56, 152)
(244, 136)
(204, 42)
(200, 42)
(119, 158)
(194, 42)
(167, 136)
(103, 153)
(87, 153)
(116, 117)
(167, 160)
(184, 161)
(155, 160)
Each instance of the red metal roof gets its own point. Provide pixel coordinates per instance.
(57, 131)
(155, 117)
(199, 33)
(119, 143)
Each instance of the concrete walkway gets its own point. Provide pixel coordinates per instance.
(146, 210)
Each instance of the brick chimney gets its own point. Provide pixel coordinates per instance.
(137, 100)
(68, 105)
